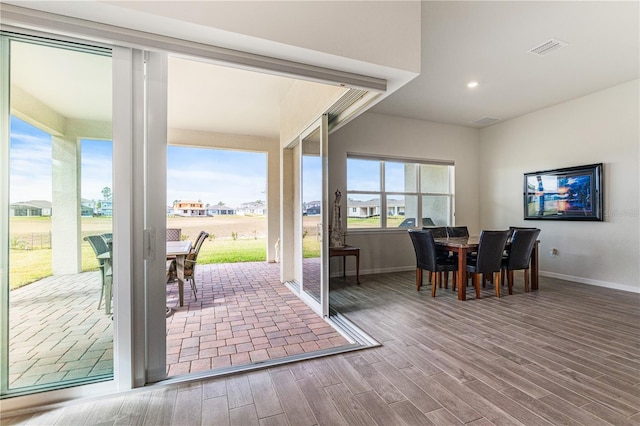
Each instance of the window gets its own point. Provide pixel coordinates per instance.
(394, 193)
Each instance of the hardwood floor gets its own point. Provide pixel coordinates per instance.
(568, 354)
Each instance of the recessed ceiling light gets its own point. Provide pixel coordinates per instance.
(472, 84)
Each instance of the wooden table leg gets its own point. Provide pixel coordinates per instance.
(534, 267)
(462, 273)
(344, 266)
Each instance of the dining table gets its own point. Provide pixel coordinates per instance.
(179, 250)
(464, 245)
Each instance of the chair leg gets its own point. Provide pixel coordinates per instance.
(502, 273)
(446, 279)
(418, 279)
(102, 289)
(526, 281)
(496, 283)
(430, 277)
(434, 284)
(194, 289)
(476, 284)
(510, 281)
(455, 281)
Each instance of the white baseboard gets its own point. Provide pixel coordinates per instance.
(589, 281)
(573, 278)
(352, 273)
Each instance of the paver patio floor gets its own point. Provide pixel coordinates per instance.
(243, 315)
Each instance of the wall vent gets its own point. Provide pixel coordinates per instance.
(485, 121)
(548, 46)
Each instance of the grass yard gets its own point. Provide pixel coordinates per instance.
(374, 222)
(231, 239)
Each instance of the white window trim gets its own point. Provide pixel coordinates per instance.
(382, 194)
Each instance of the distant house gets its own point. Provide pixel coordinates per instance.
(104, 208)
(251, 208)
(189, 208)
(30, 208)
(313, 208)
(87, 207)
(220, 209)
(372, 207)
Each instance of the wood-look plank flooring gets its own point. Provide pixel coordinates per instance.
(568, 354)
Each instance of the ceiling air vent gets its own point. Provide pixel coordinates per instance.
(548, 46)
(485, 121)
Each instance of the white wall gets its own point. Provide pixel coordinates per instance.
(601, 127)
(386, 135)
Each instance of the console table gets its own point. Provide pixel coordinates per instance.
(344, 252)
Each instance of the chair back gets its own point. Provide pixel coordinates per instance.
(437, 231)
(192, 258)
(97, 243)
(513, 229)
(521, 247)
(201, 238)
(425, 248)
(490, 249)
(457, 231)
(174, 234)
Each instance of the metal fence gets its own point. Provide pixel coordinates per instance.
(31, 241)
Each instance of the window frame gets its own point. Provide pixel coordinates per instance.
(382, 194)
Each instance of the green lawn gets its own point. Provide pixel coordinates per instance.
(29, 265)
(373, 222)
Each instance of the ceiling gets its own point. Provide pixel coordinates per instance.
(487, 42)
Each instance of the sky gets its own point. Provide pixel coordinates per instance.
(209, 175)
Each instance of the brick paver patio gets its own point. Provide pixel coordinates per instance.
(243, 315)
(57, 333)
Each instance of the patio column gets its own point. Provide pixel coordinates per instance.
(65, 214)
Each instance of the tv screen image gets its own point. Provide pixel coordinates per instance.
(573, 193)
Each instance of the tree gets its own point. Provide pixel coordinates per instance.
(106, 193)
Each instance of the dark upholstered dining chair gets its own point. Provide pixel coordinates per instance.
(489, 258)
(518, 256)
(427, 259)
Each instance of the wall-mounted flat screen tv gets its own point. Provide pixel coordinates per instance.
(572, 193)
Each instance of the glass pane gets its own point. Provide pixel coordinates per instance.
(312, 214)
(363, 211)
(435, 208)
(363, 175)
(434, 179)
(60, 327)
(402, 211)
(399, 177)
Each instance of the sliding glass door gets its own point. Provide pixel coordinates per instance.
(56, 215)
(313, 233)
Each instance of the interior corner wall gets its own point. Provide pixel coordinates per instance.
(384, 135)
(600, 127)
